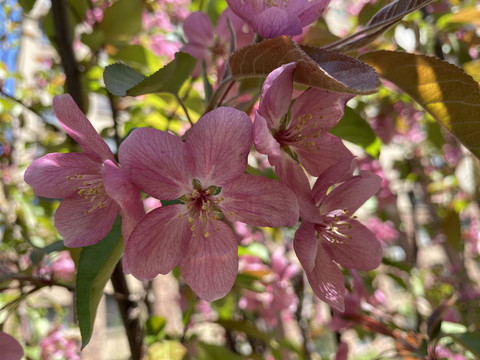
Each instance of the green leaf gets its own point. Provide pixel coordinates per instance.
(26, 5)
(470, 341)
(119, 78)
(155, 325)
(355, 129)
(168, 349)
(451, 229)
(247, 327)
(216, 352)
(122, 20)
(95, 267)
(450, 95)
(169, 79)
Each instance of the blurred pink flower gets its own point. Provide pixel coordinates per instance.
(206, 174)
(164, 47)
(10, 347)
(94, 189)
(59, 346)
(338, 238)
(270, 19)
(384, 231)
(295, 134)
(63, 267)
(342, 351)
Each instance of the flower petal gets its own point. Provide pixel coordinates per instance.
(79, 127)
(11, 348)
(352, 194)
(258, 201)
(220, 142)
(335, 174)
(312, 11)
(48, 175)
(158, 242)
(305, 244)
(324, 151)
(291, 174)
(157, 162)
(326, 280)
(277, 95)
(82, 229)
(361, 251)
(264, 142)
(120, 189)
(198, 29)
(273, 22)
(211, 263)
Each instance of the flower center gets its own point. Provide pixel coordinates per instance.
(91, 188)
(301, 132)
(334, 225)
(202, 204)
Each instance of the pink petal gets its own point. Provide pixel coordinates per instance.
(264, 142)
(243, 9)
(157, 162)
(198, 29)
(211, 263)
(361, 251)
(324, 108)
(220, 142)
(120, 189)
(326, 150)
(352, 194)
(79, 127)
(335, 174)
(273, 22)
(312, 11)
(10, 347)
(258, 201)
(277, 95)
(292, 175)
(48, 174)
(79, 229)
(305, 245)
(326, 280)
(158, 242)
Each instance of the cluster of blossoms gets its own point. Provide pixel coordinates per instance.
(203, 178)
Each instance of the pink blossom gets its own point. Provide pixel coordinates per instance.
(58, 346)
(63, 267)
(299, 134)
(10, 348)
(338, 238)
(94, 189)
(164, 47)
(270, 18)
(384, 231)
(206, 176)
(342, 351)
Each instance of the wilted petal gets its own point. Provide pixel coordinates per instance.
(326, 279)
(220, 142)
(277, 94)
(291, 174)
(80, 227)
(305, 245)
(79, 127)
(122, 190)
(48, 175)
(352, 194)
(211, 263)
(10, 347)
(360, 251)
(157, 162)
(258, 201)
(158, 242)
(265, 143)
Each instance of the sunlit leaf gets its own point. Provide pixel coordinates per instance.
(316, 67)
(95, 267)
(217, 352)
(355, 129)
(470, 341)
(378, 24)
(122, 20)
(119, 78)
(450, 95)
(468, 15)
(168, 349)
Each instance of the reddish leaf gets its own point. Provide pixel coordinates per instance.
(316, 67)
(450, 95)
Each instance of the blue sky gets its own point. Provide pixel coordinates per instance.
(9, 42)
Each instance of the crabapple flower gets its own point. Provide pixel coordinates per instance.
(274, 18)
(339, 238)
(58, 345)
(94, 189)
(11, 348)
(205, 177)
(299, 134)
